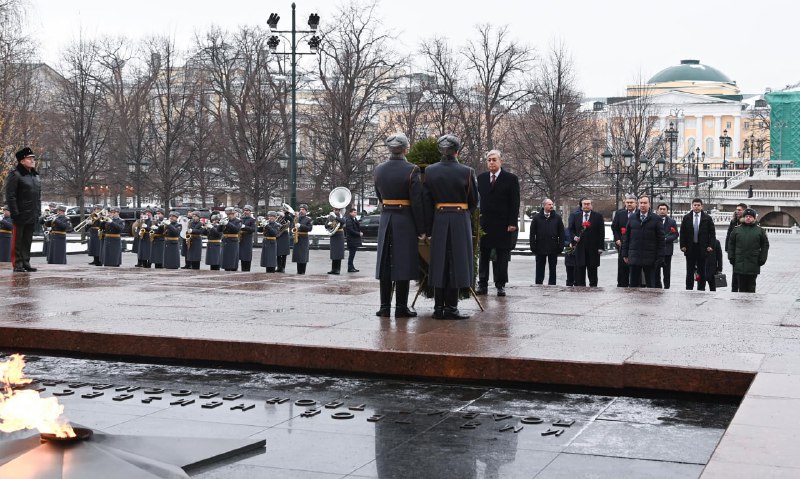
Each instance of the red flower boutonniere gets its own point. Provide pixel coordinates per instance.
(672, 229)
(585, 224)
(623, 230)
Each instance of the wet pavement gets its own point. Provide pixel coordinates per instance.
(700, 342)
(424, 428)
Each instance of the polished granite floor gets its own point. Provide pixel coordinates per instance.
(424, 431)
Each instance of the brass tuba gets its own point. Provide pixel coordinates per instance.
(338, 198)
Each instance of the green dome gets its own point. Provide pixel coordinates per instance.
(690, 70)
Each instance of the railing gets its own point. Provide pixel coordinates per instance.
(719, 217)
(775, 230)
(718, 193)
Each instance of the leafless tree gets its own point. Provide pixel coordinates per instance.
(550, 141)
(484, 81)
(358, 70)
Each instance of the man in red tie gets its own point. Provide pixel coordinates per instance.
(499, 206)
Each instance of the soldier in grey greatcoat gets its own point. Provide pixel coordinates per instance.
(284, 240)
(269, 249)
(112, 238)
(450, 194)
(214, 246)
(399, 189)
(157, 240)
(194, 241)
(59, 227)
(143, 255)
(94, 243)
(172, 242)
(300, 250)
(246, 237)
(6, 229)
(230, 240)
(336, 243)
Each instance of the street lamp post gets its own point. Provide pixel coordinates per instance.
(671, 135)
(313, 44)
(627, 158)
(752, 147)
(725, 143)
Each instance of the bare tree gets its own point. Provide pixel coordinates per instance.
(358, 70)
(550, 141)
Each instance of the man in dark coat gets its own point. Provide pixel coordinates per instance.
(643, 245)
(113, 226)
(184, 246)
(352, 229)
(6, 228)
(59, 227)
(450, 195)
(269, 248)
(194, 241)
(546, 240)
(214, 246)
(172, 242)
(697, 238)
(301, 246)
(618, 227)
(498, 191)
(24, 199)
(143, 255)
(94, 245)
(670, 237)
(588, 239)
(399, 189)
(748, 251)
(284, 239)
(246, 237)
(230, 240)
(738, 218)
(336, 250)
(157, 239)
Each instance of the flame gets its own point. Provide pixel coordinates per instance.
(25, 409)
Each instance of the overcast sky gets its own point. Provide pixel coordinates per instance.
(612, 42)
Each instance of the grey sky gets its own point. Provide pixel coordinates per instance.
(612, 42)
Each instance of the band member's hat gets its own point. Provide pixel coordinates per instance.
(52, 205)
(173, 213)
(97, 207)
(750, 212)
(61, 208)
(230, 209)
(114, 208)
(304, 206)
(396, 141)
(449, 144)
(272, 213)
(248, 207)
(24, 153)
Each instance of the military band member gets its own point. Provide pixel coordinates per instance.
(157, 240)
(337, 243)
(246, 237)
(269, 249)
(59, 227)
(451, 194)
(301, 244)
(284, 240)
(113, 226)
(135, 227)
(143, 233)
(190, 212)
(172, 242)
(213, 232)
(6, 229)
(194, 241)
(95, 244)
(230, 240)
(398, 186)
(46, 220)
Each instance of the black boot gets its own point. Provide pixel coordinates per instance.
(301, 268)
(215, 267)
(336, 266)
(281, 264)
(270, 269)
(245, 265)
(401, 309)
(451, 305)
(438, 303)
(386, 299)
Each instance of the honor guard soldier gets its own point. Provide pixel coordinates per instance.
(230, 240)
(269, 249)
(157, 240)
(59, 227)
(143, 233)
(302, 227)
(184, 242)
(49, 215)
(246, 236)
(95, 244)
(135, 234)
(113, 226)
(451, 194)
(6, 229)
(336, 223)
(172, 242)
(213, 232)
(399, 189)
(194, 241)
(284, 240)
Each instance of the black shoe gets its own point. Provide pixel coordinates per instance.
(137, 265)
(453, 313)
(20, 269)
(481, 291)
(29, 268)
(438, 314)
(384, 312)
(501, 291)
(333, 272)
(352, 270)
(404, 312)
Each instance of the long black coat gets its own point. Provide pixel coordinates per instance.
(499, 205)
(57, 251)
(300, 250)
(246, 237)
(707, 236)
(620, 223)
(397, 179)
(352, 229)
(172, 241)
(643, 243)
(547, 234)
(269, 249)
(284, 240)
(6, 228)
(230, 244)
(670, 235)
(592, 239)
(112, 243)
(336, 250)
(143, 254)
(214, 246)
(24, 195)
(450, 182)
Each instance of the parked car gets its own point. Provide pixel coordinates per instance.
(369, 226)
(182, 210)
(74, 214)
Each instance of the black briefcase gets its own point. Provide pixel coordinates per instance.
(720, 280)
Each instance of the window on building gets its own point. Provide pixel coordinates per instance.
(709, 147)
(691, 143)
(747, 125)
(761, 103)
(727, 124)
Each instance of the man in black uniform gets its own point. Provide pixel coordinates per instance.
(399, 189)
(194, 241)
(450, 195)
(214, 248)
(284, 239)
(24, 199)
(301, 245)
(336, 251)
(184, 241)
(94, 243)
(231, 226)
(113, 226)
(352, 229)
(59, 227)
(143, 255)
(269, 248)
(246, 236)
(6, 228)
